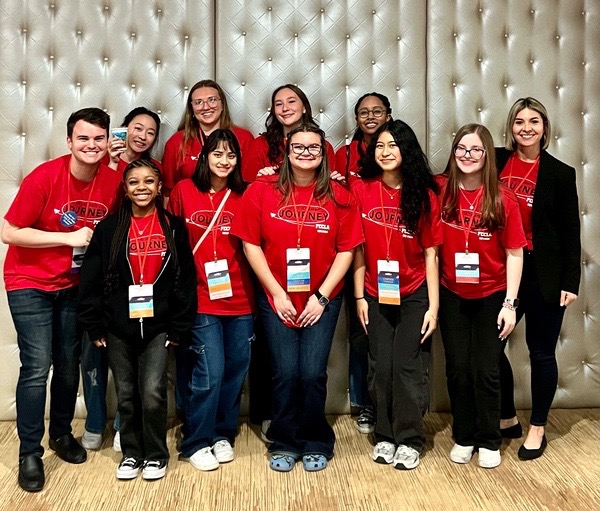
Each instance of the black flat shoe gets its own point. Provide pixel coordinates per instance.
(68, 449)
(531, 454)
(515, 431)
(31, 473)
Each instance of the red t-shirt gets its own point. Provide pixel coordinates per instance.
(490, 245)
(406, 248)
(47, 192)
(122, 164)
(272, 224)
(147, 246)
(259, 158)
(197, 209)
(521, 178)
(349, 168)
(175, 168)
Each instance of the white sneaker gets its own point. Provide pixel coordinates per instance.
(117, 442)
(406, 458)
(223, 451)
(91, 441)
(203, 459)
(154, 469)
(264, 427)
(384, 452)
(489, 458)
(129, 468)
(461, 453)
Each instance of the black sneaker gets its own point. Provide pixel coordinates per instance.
(154, 469)
(365, 423)
(129, 468)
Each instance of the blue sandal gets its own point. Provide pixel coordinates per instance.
(282, 461)
(314, 462)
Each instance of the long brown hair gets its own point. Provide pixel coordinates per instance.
(285, 182)
(492, 211)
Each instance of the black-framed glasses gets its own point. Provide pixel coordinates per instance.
(475, 153)
(212, 102)
(376, 112)
(313, 149)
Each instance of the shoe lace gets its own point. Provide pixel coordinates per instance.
(129, 462)
(385, 448)
(405, 450)
(222, 444)
(153, 464)
(366, 416)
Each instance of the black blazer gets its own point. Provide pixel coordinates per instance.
(555, 225)
(174, 310)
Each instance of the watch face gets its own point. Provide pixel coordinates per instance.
(323, 301)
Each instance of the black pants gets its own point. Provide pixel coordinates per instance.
(398, 369)
(470, 335)
(543, 321)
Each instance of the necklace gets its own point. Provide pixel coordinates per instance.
(141, 221)
(471, 204)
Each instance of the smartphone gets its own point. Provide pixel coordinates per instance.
(120, 133)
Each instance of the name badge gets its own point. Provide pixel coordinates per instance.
(388, 282)
(77, 259)
(466, 267)
(219, 282)
(141, 301)
(298, 269)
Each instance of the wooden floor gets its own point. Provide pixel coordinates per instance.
(567, 477)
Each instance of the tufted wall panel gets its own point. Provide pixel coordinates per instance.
(442, 63)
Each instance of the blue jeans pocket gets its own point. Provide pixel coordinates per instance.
(200, 377)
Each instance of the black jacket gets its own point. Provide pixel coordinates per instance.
(555, 226)
(174, 312)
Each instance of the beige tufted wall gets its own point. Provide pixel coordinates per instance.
(442, 63)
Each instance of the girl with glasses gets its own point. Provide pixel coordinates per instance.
(206, 110)
(299, 231)
(547, 195)
(481, 261)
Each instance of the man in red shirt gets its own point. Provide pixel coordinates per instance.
(48, 227)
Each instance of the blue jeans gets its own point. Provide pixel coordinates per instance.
(46, 334)
(220, 356)
(299, 359)
(140, 372)
(94, 375)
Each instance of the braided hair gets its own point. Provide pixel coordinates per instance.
(111, 280)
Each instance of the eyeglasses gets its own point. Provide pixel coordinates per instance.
(363, 113)
(212, 102)
(475, 153)
(313, 149)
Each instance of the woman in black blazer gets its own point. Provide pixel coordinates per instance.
(547, 194)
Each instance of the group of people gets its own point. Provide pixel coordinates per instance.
(233, 241)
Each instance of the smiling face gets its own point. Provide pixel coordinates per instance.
(141, 133)
(207, 107)
(142, 185)
(305, 162)
(387, 153)
(288, 108)
(221, 161)
(468, 154)
(367, 120)
(528, 129)
(88, 143)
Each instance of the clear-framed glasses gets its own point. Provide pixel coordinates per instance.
(212, 102)
(376, 112)
(475, 153)
(313, 149)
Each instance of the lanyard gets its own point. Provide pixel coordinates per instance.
(388, 231)
(510, 174)
(467, 230)
(87, 205)
(213, 230)
(142, 259)
(212, 222)
(300, 221)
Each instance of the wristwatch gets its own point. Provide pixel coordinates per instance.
(511, 303)
(322, 299)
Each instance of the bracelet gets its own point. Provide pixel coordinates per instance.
(508, 306)
(359, 298)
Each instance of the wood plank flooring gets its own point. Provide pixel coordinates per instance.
(566, 478)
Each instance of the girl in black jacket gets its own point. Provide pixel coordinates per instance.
(137, 296)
